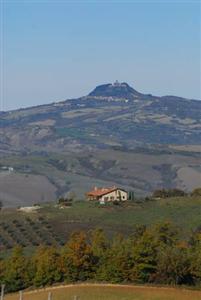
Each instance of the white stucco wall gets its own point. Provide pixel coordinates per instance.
(115, 196)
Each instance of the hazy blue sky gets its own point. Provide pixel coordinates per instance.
(54, 50)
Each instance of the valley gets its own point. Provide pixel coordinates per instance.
(113, 136)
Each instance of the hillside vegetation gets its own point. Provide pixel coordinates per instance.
(52, 225)
(156, 254)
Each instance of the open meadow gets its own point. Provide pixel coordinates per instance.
(110, 292)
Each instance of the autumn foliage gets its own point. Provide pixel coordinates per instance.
(154, 254)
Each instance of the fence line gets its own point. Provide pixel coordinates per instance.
(50, 296)
(21, 295)
(2, 291)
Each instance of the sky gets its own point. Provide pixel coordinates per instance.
(56, 50)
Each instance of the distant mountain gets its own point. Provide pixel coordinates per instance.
(91, 138)
(111, 113)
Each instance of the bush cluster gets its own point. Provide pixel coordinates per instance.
(166, 193)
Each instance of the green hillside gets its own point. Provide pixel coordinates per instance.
(52, 225)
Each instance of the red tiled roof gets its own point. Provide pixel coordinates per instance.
(101, 191)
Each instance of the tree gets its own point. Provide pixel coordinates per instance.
(67, 200)
(163, 193)
(165, 234)
(131, 196)
(195, 251)
(99, 246)
(174, 266)
(64, 202)
(78, 258)
(143, 255)
(99, 242)
(115, 265)
(139, 230)
(196, 265)
(160, 193)
(176, 193)
(47, 266)
(196, 192)
(16, 274)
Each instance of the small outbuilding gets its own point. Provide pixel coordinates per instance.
(107, 194)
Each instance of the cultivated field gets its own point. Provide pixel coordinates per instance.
(51, 225)
(110, 292)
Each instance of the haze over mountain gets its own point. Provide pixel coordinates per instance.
(114, 135)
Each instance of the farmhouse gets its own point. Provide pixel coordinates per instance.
(107, 194)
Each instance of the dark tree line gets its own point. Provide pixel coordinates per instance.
(167, 193)
(154, 255)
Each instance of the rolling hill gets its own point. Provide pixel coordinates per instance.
(51, 225)
(114, 135)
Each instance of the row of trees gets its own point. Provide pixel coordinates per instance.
(150, 255)
(166, 193)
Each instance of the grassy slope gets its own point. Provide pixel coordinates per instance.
(111, 292)
(185, 212)
(57, 224)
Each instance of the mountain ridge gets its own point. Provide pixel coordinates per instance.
(117, 137)
(114, 108)
(102, 91)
